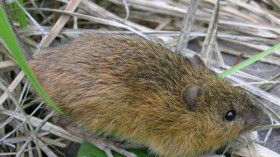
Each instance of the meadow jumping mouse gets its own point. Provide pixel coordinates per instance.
(142, 92)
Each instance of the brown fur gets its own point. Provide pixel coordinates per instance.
(131, 88)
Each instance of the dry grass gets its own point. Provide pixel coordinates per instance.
(235, 27)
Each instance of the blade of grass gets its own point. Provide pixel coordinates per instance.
(249, 61)
(211, 37)
(89, 150)
(60, 23)
(21, 16)
(18, 14)
(11, 41)
(11, 6)
(186, 29)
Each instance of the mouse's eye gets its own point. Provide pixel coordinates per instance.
(230, 115)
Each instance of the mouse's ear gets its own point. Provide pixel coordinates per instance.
(196, 62)
(190, 94)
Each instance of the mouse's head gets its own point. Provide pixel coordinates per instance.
(223, 110)
(208, 113)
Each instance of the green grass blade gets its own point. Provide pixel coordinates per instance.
(89, 150)
(17, 14)
(11, 41)
(21, 15)
(249, 61)
(11, 6)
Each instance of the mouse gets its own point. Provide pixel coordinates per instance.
(140, 91)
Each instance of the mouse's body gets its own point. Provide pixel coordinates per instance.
(142, 92)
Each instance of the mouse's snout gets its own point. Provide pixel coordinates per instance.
(255, 117)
